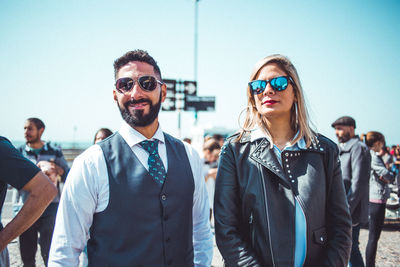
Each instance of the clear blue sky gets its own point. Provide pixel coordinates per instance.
(57, 56)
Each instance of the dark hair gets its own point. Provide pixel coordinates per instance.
(218, 137)
(107, 132)
(187, 140)
(397, 151)
(38, 123)
(372, 137)
(136, 55)
(211, 145)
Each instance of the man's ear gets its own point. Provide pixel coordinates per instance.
(41, 130)
(115, 95)
(163, 92)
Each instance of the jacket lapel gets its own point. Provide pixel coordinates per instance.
(266, 157)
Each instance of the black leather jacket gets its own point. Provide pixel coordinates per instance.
(254, 204)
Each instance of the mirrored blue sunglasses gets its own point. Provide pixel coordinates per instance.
(278, 84)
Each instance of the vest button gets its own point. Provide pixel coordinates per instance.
(168, 239)
(169, 262)
(163, 197)
(165, 217)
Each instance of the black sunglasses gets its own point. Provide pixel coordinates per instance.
(278, 84)
(147, 83)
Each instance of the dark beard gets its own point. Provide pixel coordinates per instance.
(33, 140)
(137, 118)
(344, 138)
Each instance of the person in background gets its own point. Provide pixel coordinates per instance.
(187, 140)
(379, 192)
(51, 160)
(386, 157)
(392, 149)
(21, 173)
(279, 195)
(396, 167)
(219, 138)
(16, 201)
(211, 150)
(137, 198)
(355, 161)
(102, 134)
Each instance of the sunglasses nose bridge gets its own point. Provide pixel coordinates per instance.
(135, 90)
(268, 89)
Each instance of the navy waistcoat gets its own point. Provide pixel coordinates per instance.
(144, 224)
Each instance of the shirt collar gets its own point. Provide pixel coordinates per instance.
(133, 137)
(349, 143)
(257, 133)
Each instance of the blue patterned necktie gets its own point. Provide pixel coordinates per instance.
(156, 167)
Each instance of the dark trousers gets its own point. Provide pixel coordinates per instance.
(376, 220)
(356, 259)
(29, 239)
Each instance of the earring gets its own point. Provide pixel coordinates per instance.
(297, 115)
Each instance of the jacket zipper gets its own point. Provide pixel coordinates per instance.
(267, 213)
(301, 204)
(252, 230)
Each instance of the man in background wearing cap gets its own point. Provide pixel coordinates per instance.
(355, 164)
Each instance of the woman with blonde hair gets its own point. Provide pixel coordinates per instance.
(279, 197)
(379, 192)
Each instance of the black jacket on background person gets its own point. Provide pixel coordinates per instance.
(255, 204)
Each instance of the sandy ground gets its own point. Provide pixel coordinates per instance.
(388, 250)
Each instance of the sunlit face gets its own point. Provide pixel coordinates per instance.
(273, 104)
(31, 133)
(343, 132)
(138, 107)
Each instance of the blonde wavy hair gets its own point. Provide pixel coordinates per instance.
(299, 121)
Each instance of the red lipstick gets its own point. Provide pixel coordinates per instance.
(270, 102)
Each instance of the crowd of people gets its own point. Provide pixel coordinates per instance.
(277, 192)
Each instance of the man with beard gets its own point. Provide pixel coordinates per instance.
(355, 164)
(138, 197)
(51, 161)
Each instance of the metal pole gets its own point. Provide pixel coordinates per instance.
(195, 37)
(195, 47)
(179, 100)
(74, 137)
(179, 124)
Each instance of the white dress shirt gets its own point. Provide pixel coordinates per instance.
(86, 192)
